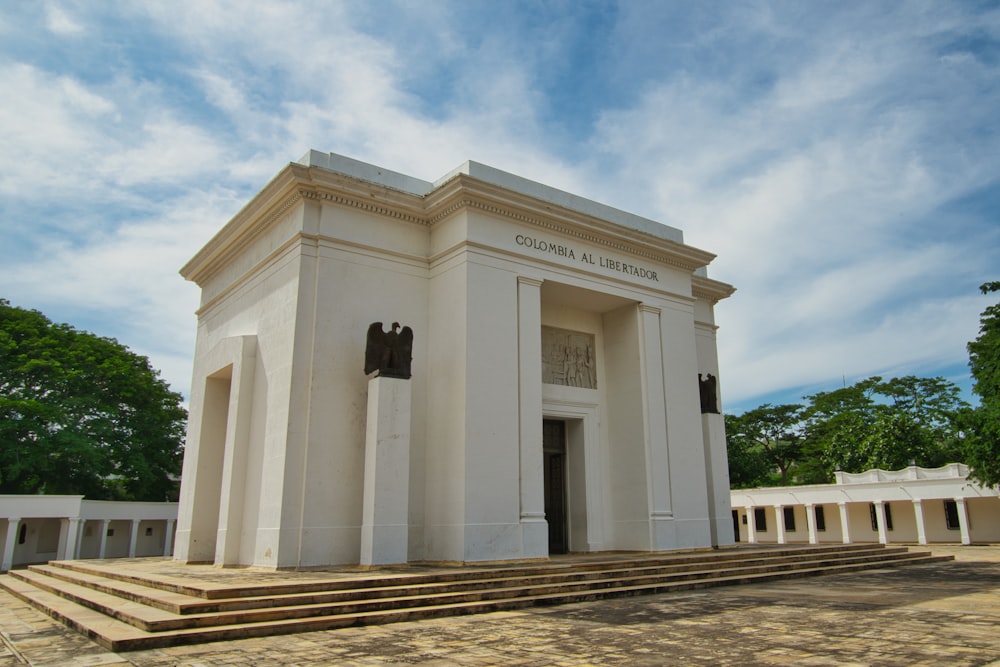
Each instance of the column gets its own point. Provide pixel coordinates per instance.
(883, 534)
(168, 538)
(13, 523)
(811, 523)
(661, 517)
(385, 507)
(688, 472)
(963, 520)
(534, 529)
(751, 525)
(918, 513)
(779, 523)
(234, 473)
(133, 537)
(104, 537)
(845, 526)
(717, 477)
(69, 538)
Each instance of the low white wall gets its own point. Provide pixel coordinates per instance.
(901, 491)
(37, 529)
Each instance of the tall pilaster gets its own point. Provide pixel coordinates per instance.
(688, 490)
(233, 490)
(534, 529)
(661, 516)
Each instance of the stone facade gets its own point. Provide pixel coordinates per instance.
(527, 304)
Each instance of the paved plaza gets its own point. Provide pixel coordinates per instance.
(939, 614)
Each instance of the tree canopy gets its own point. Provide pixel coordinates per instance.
(874, 423)
(82, 414)
(983, 444)
(768, 438)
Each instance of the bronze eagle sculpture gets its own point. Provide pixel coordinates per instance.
(389, 352)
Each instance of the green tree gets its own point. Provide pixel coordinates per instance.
(982, 447)
(924, 421)
(838, 425)
(81, 414)
(769, 436)
(882, 424)
(748, 465)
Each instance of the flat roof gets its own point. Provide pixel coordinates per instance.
(397, 181)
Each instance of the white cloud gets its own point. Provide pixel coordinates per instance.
(810, 149)
(124, 282)
(901, 341)
(58, 21)
(169, 152)
(49, 124)
(222, 91)
(816, 193)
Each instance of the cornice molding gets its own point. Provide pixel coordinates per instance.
(710, 290)
(330, 186)
(367, 206)
(272, 202)
(465, 192)
(297, 184)
(221, 249)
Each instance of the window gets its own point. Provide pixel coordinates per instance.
(149, 531)
(789, 513)
(111, 532)
(22, 534)
(888, 516)
(951, 515)
(759, 520)
(820, 518)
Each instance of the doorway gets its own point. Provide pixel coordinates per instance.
(554, 475)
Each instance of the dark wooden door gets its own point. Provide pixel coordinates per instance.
(554, 456)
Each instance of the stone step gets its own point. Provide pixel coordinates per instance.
(118, 614)
(394, 589)
(387, 587)
(364, 579)
(154, 619)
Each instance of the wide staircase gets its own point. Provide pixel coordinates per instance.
(149, 603)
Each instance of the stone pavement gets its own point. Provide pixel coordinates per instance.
(939, 614)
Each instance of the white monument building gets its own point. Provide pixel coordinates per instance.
(562, 393)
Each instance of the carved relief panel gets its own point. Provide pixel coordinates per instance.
(569, 358)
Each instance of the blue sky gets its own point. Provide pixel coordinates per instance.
(841, 159)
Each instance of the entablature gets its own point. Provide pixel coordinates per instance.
(298, 184)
